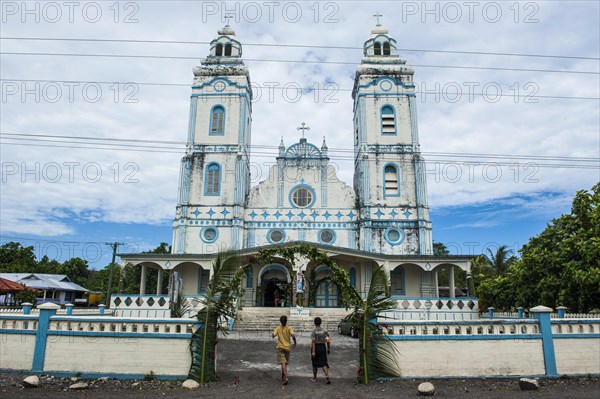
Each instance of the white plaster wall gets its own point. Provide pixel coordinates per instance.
(16, 351)
(470, 358)
(577, 355)
(412, 275)
(165, 356)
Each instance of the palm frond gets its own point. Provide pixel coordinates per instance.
(378, 355)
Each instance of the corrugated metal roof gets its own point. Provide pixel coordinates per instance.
(40, 281)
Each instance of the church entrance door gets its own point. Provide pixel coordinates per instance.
(327, 295)
(274, 294)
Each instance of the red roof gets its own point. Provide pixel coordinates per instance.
(9, 286)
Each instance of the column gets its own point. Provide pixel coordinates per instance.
(143, 280)
(47, 310)
(542, 314)
(451, 281)
(159, 282)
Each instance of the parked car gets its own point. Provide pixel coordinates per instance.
(348, 327)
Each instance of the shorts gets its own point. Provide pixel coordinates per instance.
(283, 356)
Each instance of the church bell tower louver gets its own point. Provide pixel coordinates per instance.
(389, 175)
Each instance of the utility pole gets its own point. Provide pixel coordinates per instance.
(114, 246)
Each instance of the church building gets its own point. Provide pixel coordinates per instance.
(382, 220)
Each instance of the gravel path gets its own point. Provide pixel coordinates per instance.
(247, 369)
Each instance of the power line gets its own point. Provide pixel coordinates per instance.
(310, 89)
(303, 46)
(273, 154)
(269, 147)
(469, 67)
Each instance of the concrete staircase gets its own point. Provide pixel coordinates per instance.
(266, 319)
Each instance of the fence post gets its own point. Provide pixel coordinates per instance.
(562, 311)
(101, 309)
(542, 314)
(491, 312)
(69, 307)
(520, 312)
(26, 307)
(47, 310)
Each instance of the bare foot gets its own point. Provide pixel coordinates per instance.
(313, 379)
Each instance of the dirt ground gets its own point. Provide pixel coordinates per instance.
(247, 369)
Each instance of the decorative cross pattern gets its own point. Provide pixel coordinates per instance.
(303, 127)
(377, 15)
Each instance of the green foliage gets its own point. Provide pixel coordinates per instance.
(223, 291)
(15, 258)
(559, 267)
(378, 355)
(28, 295)
(150, 376)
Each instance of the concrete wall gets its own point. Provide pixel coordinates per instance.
(16, 350)
(470, 358)
(96, 354)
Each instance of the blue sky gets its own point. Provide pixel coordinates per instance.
(67, 199)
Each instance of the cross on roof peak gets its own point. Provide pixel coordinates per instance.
(377, 15)
(227, 17)
(303, 127)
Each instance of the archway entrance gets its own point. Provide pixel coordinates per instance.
(275, 287)
(327, 294)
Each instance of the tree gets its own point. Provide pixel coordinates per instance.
(558, 267)
(561, 266)
(15, 258)
(220, 299)
(500, 260)
(377, 354)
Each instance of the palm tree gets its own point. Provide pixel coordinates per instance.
(220, 300)
(501, 260)
(377, 353)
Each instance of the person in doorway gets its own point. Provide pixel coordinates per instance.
(284, 334)
(277, 298)
(320, 348)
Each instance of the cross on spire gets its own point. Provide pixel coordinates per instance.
(377, 15)
(303, 127)
(227, 17)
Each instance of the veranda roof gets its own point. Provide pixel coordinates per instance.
(7, 286)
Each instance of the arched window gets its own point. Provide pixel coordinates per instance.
(388, 120)
(386, 48)
(213, 179)
(249, 277)
(228, 49)
(397, 280)
(217, 121)
(377, 48)
(391, 185)
(219, 50)
(353, 277)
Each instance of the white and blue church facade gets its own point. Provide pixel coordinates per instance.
(383, 220)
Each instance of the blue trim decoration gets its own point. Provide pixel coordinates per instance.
(220, 130)
(208, 230)
(384, 110)
(297, 187)
(333, 235)
(271, 231)
(393, 240)
(397, 172)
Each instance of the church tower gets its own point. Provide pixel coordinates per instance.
(215, 173)
(389, 175)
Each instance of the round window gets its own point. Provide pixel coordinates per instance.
(276, 236)
(302, 197)
(209, 234)
(327, 236)
(393, 236)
